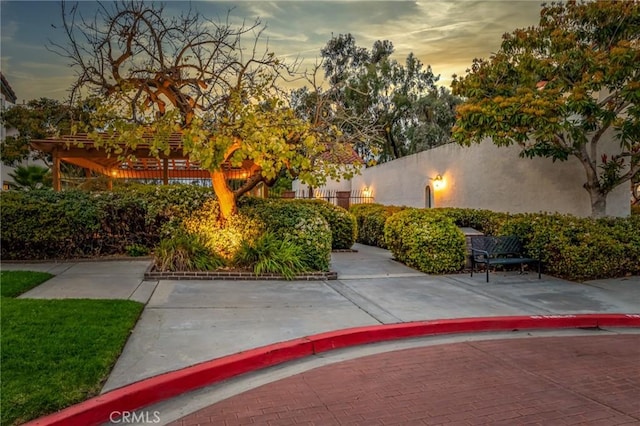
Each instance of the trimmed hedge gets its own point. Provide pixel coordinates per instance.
(44, 224)
(426, 240)
(485, 221)
(74, 224)
(580, 249)
(574, 248)
(342, 223)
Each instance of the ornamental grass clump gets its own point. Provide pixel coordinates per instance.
(270, 254)
(186, 252)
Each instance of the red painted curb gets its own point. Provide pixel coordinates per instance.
(155, 389)
(164, 386)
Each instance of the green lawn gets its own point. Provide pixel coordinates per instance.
(14, 283)
(56, 352)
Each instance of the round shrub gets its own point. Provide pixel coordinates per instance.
(342, 223)
(370, 219)
(627, 232)
(360, 212)
(299, 222)
(426, 240)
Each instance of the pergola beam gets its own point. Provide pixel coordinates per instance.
(81, 151)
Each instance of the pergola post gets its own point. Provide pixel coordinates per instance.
(55, 172)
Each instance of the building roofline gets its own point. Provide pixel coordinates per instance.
(7, 91)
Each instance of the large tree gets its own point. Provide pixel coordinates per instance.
(387, 108)
(559, 89)
(161, 73)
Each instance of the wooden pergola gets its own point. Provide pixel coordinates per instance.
(82, 151)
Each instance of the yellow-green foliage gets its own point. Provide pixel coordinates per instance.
(580, 248)
(486, 221)
(370, 219)
(342, 223)
(426, 240)
(223, 238)
(299, 222)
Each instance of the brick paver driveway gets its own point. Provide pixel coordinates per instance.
(590, 380)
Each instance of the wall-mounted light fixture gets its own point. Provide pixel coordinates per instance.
(114, 172)
(438, 183)
(366, 192)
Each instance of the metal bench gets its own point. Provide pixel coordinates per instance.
(506, 250)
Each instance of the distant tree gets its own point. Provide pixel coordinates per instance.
(30, 177)
(384, 106)
(431, 120)
(159, 74)
(556, 88)
(37, 119)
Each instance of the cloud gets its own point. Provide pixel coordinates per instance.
(8, 30)
(444, 34)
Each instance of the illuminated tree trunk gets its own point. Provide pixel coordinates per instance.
(226, 198)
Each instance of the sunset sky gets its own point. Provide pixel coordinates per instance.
(444, 34)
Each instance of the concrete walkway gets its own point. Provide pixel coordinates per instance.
(187, 322)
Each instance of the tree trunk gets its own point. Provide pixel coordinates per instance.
(226, 199)
(598, 203)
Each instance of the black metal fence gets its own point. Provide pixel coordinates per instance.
(338, 198)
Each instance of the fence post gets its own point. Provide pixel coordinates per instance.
(343, 199)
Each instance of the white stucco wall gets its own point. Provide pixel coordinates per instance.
(485, 176)
(331, 185)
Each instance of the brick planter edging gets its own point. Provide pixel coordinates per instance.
(168, 385)
(151, 274)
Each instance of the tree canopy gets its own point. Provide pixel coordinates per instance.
(160, 74)
(559, 89)
(387, 108)
(37, 119)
